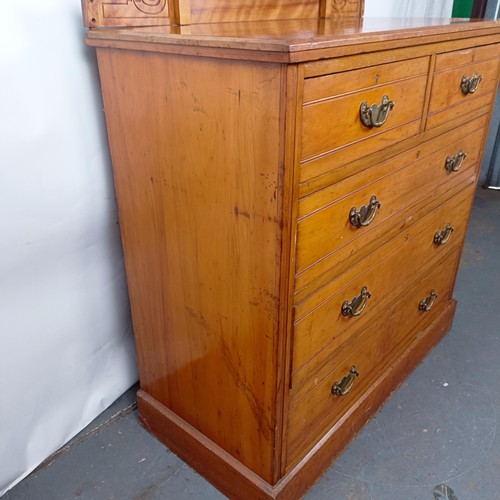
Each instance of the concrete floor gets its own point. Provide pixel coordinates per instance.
(436, 435)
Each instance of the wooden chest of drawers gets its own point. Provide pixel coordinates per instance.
(293, 198)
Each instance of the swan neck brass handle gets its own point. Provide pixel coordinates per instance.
(346, 384)
(453, 163)
(357, 304)
(442, 237)
(427, 303)
(376, 114)
(469, 84)
(366, 213)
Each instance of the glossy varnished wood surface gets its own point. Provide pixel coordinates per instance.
(391, 331)
(322, 119)
(338, 435)
(106, 13)
(100, 13)
(357, 244)
(292, 40)
(327, 229)
(229, 201)
(217, 11)
(199, 178)
(385, 273)
(239, 483)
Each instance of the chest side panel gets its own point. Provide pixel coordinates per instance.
(196, 153)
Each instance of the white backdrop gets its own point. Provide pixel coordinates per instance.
(408, 8)
(66, 342)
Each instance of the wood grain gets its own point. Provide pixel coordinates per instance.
(106, 13)
(195, 195)
(318, 319)
(469, 55)
(340, 433)
(480, 104)
(240, 483)
(438, 275)
(205, 456)
(395, 183)
(301, 40)
(324, 87)
(238, 256)
(382, 341)
(334, 123)
(213, 11)
(324, 171)
(446, 90)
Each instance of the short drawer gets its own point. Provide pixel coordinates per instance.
(326, 220)
(464, 81)
(314, 407)
(321, 319)
(332, 116)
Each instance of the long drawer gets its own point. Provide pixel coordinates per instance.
(464, 81)
(313, 406)
(320, 319)
(324, 224)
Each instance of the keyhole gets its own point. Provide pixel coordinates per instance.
(376, 79)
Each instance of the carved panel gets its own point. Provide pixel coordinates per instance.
(341, 8)
(348, 8)
(97, 13)
(103, 13)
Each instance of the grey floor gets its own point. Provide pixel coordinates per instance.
(438, 430)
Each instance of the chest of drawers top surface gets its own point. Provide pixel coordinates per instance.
(293, 40)
(289, 263)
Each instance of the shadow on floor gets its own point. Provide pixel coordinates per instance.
(434, 439)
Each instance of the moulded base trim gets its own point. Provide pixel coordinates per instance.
(237, 481)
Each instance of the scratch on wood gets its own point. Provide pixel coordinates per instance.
(244, 213)
(242, 383)
(199, 318)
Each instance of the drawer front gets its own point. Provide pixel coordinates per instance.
(320, 319)
(328, 86)
(396, 184)
(464, 81)
(464, 57)
(313, 408)
(333, 122)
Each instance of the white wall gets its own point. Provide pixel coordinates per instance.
(408, 8)
(66, 341)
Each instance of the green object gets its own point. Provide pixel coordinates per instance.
(462, 8)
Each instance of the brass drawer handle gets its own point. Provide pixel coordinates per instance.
(453, 163)
(346, 384)
(366, 214)
(375, 115)
(441, 237)
(427, 303)
(469, 84)
(357, 305)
